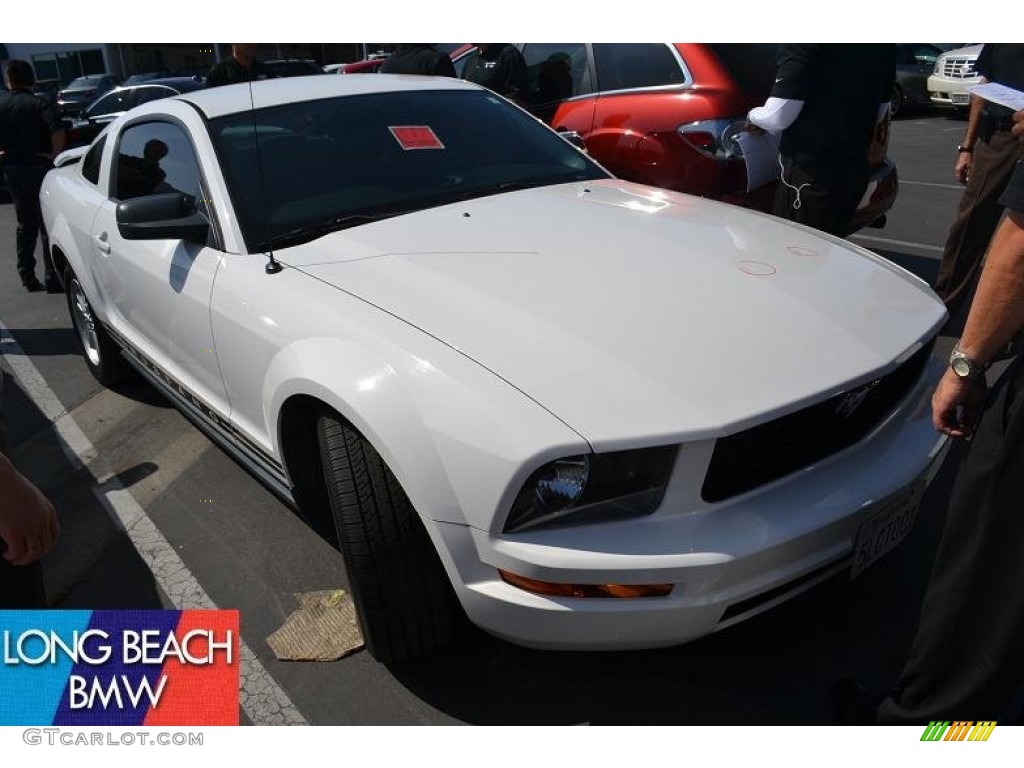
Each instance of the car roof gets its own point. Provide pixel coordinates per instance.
(233, 99)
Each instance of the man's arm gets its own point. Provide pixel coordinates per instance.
(996, 316)
(965, 160)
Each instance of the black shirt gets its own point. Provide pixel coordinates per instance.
(1001, 63)
(1013, 196)
(842, 86)
(418, 59)
(26, 124)
(230, 71)
(501, 68)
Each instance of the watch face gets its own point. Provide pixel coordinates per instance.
(961, 367)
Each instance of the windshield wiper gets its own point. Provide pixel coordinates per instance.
(313, 231)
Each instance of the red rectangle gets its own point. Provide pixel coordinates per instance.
(204, 689)
(415, 137)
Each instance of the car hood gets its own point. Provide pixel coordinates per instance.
(635, 314)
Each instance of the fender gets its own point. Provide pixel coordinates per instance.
(424, 417)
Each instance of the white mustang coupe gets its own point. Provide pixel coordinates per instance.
(586, 413)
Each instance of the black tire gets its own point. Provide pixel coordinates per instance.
(404, 601)
(102, 355)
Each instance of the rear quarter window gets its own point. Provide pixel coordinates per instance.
(91, 162)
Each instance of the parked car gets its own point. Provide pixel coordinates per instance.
(586, 412)
(293, 67)
(82, 91)
(112, 105)
(48, 89)
(459, 53)
(954, 73)
(914, 63)
(145, 77)
(667, 114)
(199, 71)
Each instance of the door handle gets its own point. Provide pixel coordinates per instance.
(102, 244)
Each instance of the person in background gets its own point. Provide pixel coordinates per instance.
(965, 660)
(826, 131)
(985, 158)
(418, 59)
(500, 67)
(31, 135)
(241, 67)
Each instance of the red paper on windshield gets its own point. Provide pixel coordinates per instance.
(415, 137)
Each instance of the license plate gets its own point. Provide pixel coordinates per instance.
(961, 98)
(886, 527)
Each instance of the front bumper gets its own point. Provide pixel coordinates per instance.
(949, 91)
(727, 561)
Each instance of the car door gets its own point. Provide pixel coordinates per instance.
(631, 80)
(559, 84)
(158, 291)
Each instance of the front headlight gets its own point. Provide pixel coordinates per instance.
(592, 487)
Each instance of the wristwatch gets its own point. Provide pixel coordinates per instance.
(964, 367)
(964, 148)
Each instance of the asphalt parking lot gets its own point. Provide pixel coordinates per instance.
(157, 516)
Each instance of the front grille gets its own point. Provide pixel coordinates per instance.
(960, 67)
(753, 458)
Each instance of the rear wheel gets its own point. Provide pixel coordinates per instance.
(403, 598)
(102, 355)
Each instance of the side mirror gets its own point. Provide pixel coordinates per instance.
(167, 216)
(575, 139)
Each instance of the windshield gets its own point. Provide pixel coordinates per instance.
(298, 171)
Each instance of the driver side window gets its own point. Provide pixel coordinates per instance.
(155, 158)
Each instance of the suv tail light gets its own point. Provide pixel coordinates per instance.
(716, 138)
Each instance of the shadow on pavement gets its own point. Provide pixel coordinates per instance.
(93, 565)
(924, 267)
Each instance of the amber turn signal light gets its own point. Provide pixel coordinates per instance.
(552, 589)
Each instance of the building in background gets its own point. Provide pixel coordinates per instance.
(60, 63)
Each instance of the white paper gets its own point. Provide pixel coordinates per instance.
(761, 154)
(999, 94)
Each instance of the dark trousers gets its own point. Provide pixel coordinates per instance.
(966, 661)
(829, 192)
(24, 182)
(976, 217)
(21, 586)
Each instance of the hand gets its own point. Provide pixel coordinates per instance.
(1018, 124)
(962, 169)
(749, 127)
(956, 404)
(28, 522)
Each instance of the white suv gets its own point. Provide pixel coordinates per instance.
(954, 73)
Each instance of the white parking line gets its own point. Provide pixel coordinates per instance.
(957, 187)
(261, 697)
(904, 243)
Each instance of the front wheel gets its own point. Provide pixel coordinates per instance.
(102, 355)
(404, 601)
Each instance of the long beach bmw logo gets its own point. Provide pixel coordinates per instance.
(852, 400)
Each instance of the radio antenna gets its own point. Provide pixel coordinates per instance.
(273, 266)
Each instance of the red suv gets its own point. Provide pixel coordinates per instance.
(665, 114)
